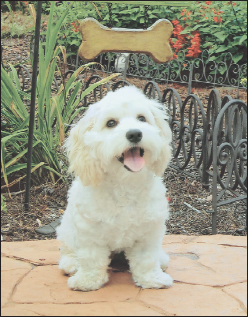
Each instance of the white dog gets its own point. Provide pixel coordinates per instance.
(118, 152)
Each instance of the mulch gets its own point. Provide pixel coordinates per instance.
(189, 202)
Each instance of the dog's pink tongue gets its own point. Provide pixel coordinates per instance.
(133, 160)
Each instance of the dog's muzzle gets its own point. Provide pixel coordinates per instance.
(132, 158)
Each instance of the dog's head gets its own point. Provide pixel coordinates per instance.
(124, 131)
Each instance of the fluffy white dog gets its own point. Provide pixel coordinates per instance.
(118, 152)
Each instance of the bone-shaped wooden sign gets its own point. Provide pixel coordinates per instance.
(98, 38)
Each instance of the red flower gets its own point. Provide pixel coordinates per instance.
(234, 3)
(174, 56)
(75, 27)
(175, 22)
(216, 19)
(181, 40)
(194, 50)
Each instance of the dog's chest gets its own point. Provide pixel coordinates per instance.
(121, 210)
(119, 217)
(126, 226)
(126, 219)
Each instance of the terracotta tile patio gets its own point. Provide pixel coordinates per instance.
(210, 279)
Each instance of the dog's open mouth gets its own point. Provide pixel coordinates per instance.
(133, 159)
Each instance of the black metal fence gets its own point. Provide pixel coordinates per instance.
(205, 69)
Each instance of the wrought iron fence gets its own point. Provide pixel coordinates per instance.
(206, 69)
(216, 141)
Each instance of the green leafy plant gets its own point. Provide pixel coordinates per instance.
(218, 26)
(243, 82)
(53, 112)
(16, 23)
(69, 35)
(3, 203)
(45, 6)
(23, 6)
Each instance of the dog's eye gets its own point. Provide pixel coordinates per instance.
(111, 123)
(141, 118)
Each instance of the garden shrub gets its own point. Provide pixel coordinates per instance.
(23, 6)
(218, 26)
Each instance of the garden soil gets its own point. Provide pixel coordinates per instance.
(189, 202)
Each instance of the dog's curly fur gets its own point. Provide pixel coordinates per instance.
(112, 207)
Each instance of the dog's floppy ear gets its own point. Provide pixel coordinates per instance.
(161, 117)
(82, 163)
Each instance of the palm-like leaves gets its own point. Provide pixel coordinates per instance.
(50, 117)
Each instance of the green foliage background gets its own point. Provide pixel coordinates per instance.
(228, 36)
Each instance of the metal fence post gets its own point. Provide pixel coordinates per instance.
(190, 79)
(32, 105)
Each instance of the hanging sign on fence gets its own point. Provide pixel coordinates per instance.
(154, 41)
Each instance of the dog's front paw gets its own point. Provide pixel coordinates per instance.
(164, 260)
(68, 265)
(88, 281)
(161, 280)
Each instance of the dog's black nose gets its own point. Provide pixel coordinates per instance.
(134, 135)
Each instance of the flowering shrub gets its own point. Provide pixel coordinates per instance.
(181, 40)
(218, 26)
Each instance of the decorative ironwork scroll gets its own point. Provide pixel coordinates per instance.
(229, 154)
(204, 69)
(215, 141)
